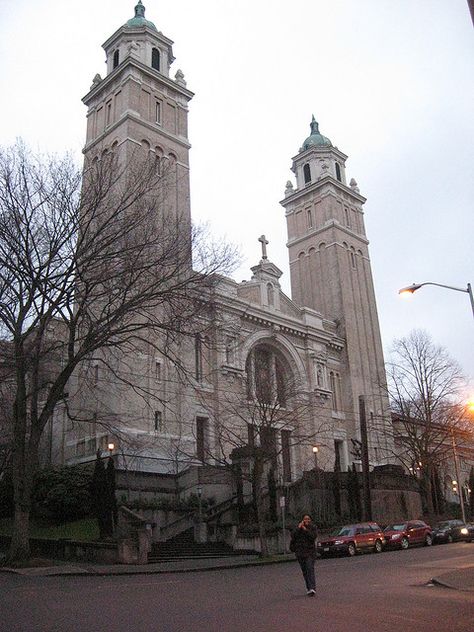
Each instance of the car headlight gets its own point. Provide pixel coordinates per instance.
(464, 531)
(395, 536)
(338, 541)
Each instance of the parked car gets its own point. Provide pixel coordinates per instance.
(351, 539)
(452, 531)
(405, 534)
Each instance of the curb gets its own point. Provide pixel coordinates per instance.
(445, 584)
(146, 571)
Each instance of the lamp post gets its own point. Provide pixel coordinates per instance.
(199, 495)
(110, 448)
(410, 289)
(457, 484)
(315, 454)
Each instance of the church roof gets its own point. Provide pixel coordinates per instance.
(316, 139)
(139, 18)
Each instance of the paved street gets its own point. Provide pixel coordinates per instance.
(372, 593)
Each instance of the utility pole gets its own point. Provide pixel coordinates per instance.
(365, 460)
(456, 467)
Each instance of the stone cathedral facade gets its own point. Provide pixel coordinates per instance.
(325, 337)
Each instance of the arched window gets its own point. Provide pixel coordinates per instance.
(270, 294)
(268, 377)
(116, 59)
(334, 387)
(338, 172)
(307, 173)
(155, 58)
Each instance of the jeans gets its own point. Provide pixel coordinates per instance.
(307, 568)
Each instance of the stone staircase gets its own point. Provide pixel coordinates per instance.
(184, 548)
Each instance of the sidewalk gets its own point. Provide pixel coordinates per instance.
(177, 566)
(462, 579)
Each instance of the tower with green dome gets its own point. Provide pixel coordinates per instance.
(331, 273)
(139, 106)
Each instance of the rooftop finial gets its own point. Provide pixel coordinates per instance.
(314, 126)
(139, 10)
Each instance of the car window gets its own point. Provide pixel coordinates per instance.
(343, 531)
(375, 527)
(396, 527)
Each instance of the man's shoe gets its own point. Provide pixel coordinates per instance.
(311, 592)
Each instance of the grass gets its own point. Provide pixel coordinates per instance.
(85, 530)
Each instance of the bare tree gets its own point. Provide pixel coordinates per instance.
(425, 389)
(260, 420)
(88, 263)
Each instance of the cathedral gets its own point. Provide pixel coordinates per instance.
(309, 357)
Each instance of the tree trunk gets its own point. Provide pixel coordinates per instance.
(20, 543)
(257, 484)
(426, 492)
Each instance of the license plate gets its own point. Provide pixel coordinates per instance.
(326, 549)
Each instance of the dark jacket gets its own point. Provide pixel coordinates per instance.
(303, 541)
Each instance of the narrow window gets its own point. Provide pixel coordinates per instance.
(158, 421)
(155, 59)
(96, 374)
(286, 455)
(108, 116)
(158, 112)
(310, 218)
(158, 371)
(307, 173)
(201, 437)
(347, 218)
(251, 435)
(338, 172)
(270, 294)
(198, 357)
(116, 59)
(338, 464)
(229, 350)
(353, 261)
(333, 386)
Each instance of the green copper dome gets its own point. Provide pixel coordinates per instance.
(316, 139)
(139, 19)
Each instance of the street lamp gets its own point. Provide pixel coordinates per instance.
(457, 484)
(199, 494)
(410, 289)
(315, 453)
(111, 448)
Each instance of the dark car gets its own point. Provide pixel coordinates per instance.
(404, 534)
(452, 531)
(351, 539)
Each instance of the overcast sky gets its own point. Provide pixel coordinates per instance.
(391, 84)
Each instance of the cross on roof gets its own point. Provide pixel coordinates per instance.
(262, 239)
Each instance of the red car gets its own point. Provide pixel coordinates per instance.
(351, 539)
(405, 534)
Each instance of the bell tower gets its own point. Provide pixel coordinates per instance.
(331, 273)
(138, 105)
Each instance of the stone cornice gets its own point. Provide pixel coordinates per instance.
(330, 224)
(133, 116)
(315, 186)
(325, 149)
(127, 30)
(276, 321)
(149, 72)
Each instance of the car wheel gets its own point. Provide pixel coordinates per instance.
(404, 543)
(351, 549)
(428, 540)
(450, 538)
(378, 546)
